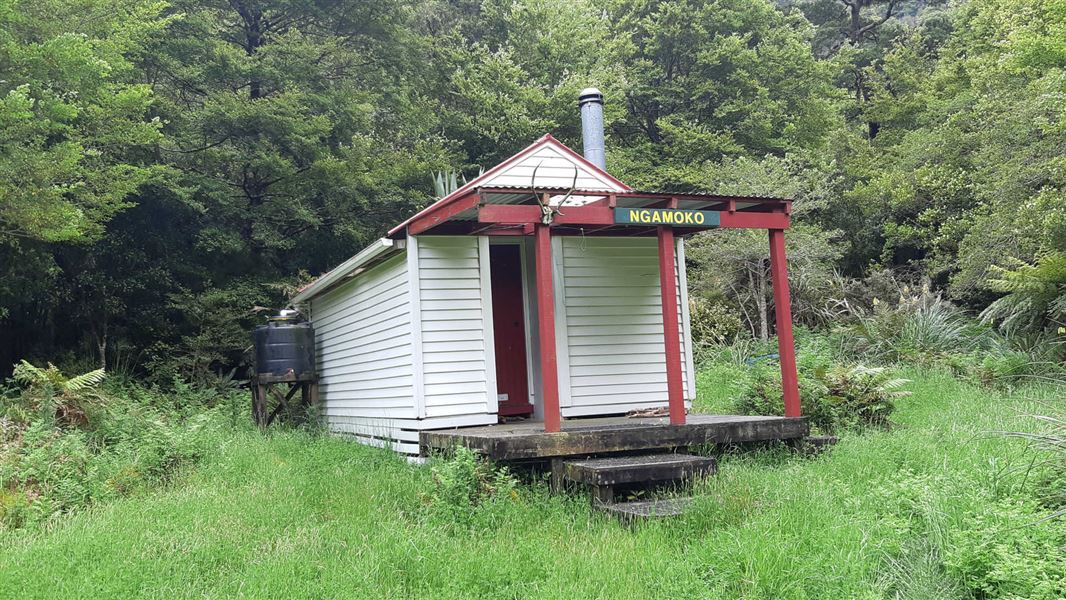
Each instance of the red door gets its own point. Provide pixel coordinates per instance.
(508, 325)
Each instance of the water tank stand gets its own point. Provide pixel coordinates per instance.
(282, 389)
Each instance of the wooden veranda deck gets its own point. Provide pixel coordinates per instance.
(585, 437)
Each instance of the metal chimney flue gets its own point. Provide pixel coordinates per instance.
(591, 103)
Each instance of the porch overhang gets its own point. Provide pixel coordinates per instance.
(514, 211)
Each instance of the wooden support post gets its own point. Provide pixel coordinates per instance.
(786, 347)
(259, 403)
(671, 328)
(549, 368)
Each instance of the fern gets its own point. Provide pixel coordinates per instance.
(85, 381)
(1035, 294)
(27, 374)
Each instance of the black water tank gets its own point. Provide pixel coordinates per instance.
(286, 343)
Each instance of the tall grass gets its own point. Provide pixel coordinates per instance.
(932, 508)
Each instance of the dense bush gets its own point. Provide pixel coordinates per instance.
(833, 396)
(66, 443)
(919, 329)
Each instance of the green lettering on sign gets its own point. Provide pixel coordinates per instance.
(667, 216)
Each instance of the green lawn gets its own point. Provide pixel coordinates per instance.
(922, 511)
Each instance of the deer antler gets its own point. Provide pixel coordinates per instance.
(573, 186)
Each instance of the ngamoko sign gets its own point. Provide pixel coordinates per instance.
(667, 216)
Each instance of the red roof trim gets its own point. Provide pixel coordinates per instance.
(462, 191)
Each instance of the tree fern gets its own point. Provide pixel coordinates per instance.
(84, 381)
(1036, 294)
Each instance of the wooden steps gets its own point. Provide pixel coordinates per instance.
(603, 475)
(614, 470)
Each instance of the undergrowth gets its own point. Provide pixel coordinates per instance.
(67, 443)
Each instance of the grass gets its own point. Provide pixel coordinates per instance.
(884, 514)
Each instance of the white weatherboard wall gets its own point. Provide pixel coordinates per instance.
(367, 350)
(456, 315)
(613, 348)
(363, 348)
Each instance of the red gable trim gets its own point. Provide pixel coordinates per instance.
(462, 191)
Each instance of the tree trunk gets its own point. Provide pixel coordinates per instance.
(101, 346)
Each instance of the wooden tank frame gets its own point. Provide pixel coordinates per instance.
(266, 385)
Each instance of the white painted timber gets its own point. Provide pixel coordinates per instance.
(554, 168)
(456, 326)
(614, 327)
(363, 347)
(415, 315)
(688, 351)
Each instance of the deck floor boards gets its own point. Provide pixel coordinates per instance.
(602, 435)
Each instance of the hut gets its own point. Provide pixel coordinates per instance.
(544, 292)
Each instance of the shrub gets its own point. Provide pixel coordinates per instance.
(918, 330)
(48, 393)
(464, 484)
(714, 324)
(833, 397)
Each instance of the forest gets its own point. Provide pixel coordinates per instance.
(173, 171)
(167, 168)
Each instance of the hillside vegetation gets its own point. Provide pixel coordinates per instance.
(941, 506)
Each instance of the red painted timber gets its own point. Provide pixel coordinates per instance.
(786, 347)
(441, 215)
(754, 220)
(600, 214)
(549, 367)
(573, 215)
(671, 328)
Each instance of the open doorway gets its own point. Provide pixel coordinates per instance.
(509, 330)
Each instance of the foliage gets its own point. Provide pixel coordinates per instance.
(74, 117)
(884, 512)
(1036, 295)
(1050, 440)
(1004, 553)
(920, 328)
(101, 442)
(714, 324)
(223, 150)
(48, 393)
(466, 486)
(834, 397)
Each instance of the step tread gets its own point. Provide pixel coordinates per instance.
(646, 509)
(642, 468)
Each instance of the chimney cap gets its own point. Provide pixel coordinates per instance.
(590, 95)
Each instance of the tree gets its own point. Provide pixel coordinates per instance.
(707, 80)
(74, 127)
(735, 263)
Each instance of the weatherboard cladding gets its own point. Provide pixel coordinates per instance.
(614, 350)
(455, 318)
(363, 346)
(553, 167)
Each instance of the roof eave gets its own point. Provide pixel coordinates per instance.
(338, 274)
